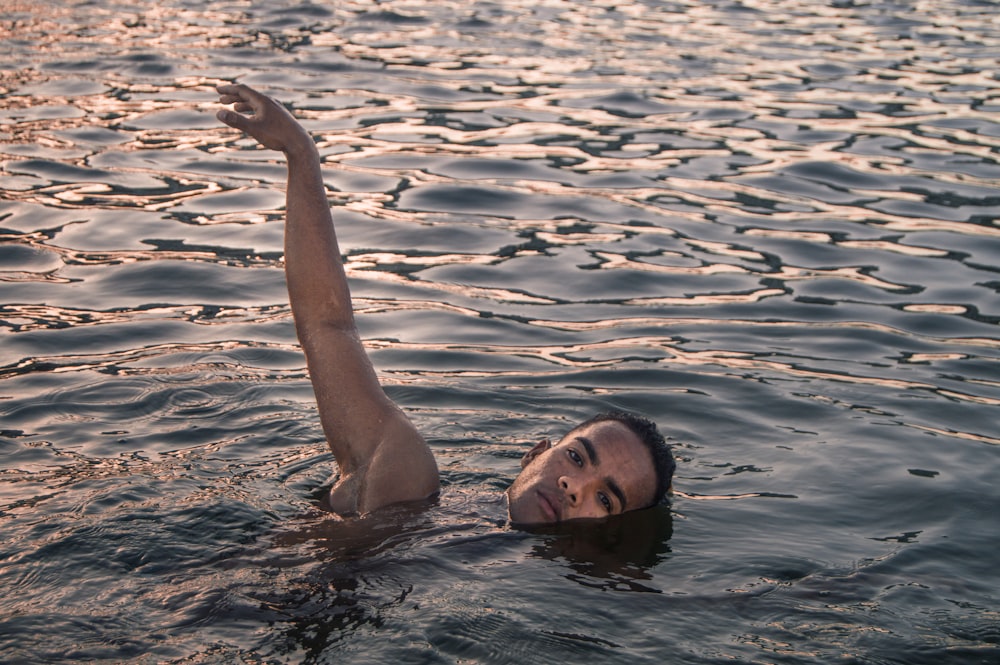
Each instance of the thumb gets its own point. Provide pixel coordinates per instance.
(232, 119)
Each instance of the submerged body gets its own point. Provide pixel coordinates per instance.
(609, 465)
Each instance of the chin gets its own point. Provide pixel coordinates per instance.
(527, 515)
(526, 521)
(520, 513)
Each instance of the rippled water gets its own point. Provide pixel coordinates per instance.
(770, 226)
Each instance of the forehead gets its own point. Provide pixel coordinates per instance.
(621, 456)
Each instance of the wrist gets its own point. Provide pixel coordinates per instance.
(302, 149)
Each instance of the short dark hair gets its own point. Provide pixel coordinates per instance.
(644, 428)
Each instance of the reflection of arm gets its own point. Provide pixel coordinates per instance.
(382, 457)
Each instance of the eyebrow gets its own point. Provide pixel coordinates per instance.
(588, 446)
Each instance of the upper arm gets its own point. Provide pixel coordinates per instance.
(375, 444)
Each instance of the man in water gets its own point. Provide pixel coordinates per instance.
(610, 464)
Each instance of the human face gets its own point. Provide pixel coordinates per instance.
(595, 471)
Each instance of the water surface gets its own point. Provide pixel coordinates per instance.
(772, 227)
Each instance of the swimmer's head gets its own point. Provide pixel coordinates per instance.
(613, 463)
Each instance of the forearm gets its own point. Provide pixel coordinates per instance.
(316, 282)
(317, 285)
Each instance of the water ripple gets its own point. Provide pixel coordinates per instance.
(771, 226)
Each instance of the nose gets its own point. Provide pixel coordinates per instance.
(570, 489)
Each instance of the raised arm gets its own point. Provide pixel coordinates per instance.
(382, 458)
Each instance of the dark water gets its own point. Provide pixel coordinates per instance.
(770, 226)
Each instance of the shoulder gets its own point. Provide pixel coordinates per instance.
(401, 468)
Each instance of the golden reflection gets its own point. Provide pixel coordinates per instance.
(119, 257)
(89, 195)
(969, 436)
(887, 246)
(936, 308)
(49, 276)
(382, 306)
(913, 224)
(496, 294)
(586, 238)
(579, 356)
(709, 299)
(854, 274)
(27, 317)
(725, 249)
(976, 399)
(611, 261)
(933, 357)
(680, 322)
(137, 361)
(731, 497)
(374, 259)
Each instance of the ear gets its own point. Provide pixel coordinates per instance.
(537, 450)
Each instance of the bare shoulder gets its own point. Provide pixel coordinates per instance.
(383, 459)
(401, 468)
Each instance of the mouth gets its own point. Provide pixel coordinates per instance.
(549, 508)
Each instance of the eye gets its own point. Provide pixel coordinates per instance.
(575, 456)
(605, 501)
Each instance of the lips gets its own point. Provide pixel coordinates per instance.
(549, 507)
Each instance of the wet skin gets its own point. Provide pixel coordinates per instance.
(596, 470)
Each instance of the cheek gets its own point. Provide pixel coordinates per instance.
(523, 482)
(590, 510)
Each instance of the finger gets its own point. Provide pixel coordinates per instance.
(239, 101)
(233, 119)
(233, 89)
(240, 92)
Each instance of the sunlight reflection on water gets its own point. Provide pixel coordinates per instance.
(772, 227)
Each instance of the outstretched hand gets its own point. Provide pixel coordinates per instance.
(262, 118)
